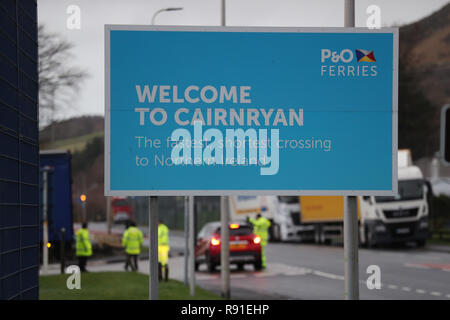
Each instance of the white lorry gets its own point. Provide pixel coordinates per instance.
(282, 211)
(401, 218)
(382, 220)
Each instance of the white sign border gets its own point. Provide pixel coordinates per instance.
(109, 192)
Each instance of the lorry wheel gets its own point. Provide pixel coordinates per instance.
(196, 266)
(275, 234)
(240, 266)
(369, 239)
(258, 265)
(318, 235)
(323, 239)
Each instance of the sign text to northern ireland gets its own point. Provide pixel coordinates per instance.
(215, 111)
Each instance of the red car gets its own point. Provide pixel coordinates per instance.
(245, 246)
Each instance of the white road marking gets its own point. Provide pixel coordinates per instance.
(420, 291)
(392, 286)
(278, 269)
(406, 289)
(328, 275)
(297, 273)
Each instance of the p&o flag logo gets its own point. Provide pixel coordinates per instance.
(365, 55)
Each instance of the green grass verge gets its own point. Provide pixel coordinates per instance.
(115, 286)
(436, 240)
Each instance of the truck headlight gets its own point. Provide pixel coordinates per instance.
(423, 224)
(380, 228)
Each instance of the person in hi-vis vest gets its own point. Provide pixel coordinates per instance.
(132, 241)
(83, 246)
(261, 228)
(163, 250)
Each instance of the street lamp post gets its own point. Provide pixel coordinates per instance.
(153, 220)
(225, 219)
(163, 10)
(350, 207)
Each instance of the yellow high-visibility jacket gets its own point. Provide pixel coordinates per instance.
(83, 244)
(163, 235)
(261, 228)
(132, 240)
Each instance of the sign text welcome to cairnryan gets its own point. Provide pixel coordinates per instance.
(264, 111)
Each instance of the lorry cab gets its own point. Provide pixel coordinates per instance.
(282, 211)
(399, 218)
(286, 225)
(121, 209)
(382, 219)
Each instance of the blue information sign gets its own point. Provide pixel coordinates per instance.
(230, 110)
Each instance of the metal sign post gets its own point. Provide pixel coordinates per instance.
(62, 250)
(108, 214)
(153, 247)
(224, 218)
(351, 248)
(350, 209)
(225, 247)
(445, 135)
(191, 247)
(83, 212)
(186, 241)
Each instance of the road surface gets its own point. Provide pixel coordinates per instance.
(300, 271)
(306, 271)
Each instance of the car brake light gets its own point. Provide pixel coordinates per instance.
(257, 240)
(234, 226)
(215, 242)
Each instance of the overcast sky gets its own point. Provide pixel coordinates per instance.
(89, 40)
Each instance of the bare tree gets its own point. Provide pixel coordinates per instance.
(59, 81)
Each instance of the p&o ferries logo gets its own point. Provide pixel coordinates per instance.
(345, 63)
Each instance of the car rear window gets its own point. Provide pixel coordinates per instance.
(241, 231)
